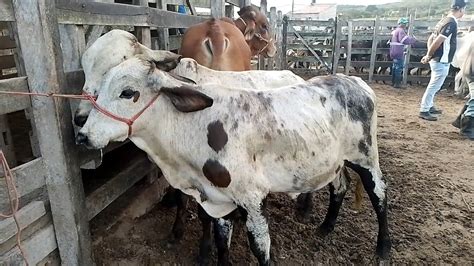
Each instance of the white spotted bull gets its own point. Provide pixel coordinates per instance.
(116, 46)
(229, 147)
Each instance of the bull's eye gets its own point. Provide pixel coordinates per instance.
(127, 94)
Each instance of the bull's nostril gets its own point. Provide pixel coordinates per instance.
(81, 139)
(80, 120)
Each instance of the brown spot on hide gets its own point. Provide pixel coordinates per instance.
(216, 173)
(254, 159)
(216, 135)
(267, 136)
(312, 153)
(246, 107)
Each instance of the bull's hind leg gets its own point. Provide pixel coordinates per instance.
(337, 190)
(375, 188)
(257, 231)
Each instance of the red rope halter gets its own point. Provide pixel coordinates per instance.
(92, 99)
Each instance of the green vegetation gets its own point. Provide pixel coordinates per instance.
(422, 8)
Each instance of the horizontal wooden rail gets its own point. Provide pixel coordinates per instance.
(28, 177)
(94, 13)
(7, 43)
(36, 248)
(107, 193)
(301, 46)
(7, 61)
(10, 103)
(309, 59)
(26, 216)
(314, 23)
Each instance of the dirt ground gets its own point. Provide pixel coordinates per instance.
(430, 173)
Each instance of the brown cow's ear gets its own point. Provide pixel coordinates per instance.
(164, 60)
(186, 99)
(168, 64)
(249, 30)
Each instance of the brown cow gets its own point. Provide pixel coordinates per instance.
(256, 29)
(218, 44)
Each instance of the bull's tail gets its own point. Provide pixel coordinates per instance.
(216, 44)
(359, 189)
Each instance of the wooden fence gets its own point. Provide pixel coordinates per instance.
(357, 47)
(51, 37)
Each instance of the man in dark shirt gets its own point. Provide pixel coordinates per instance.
(441, 49)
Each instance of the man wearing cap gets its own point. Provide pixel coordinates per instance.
(397, 45)
(441, 49)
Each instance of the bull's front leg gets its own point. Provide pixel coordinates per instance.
(206, 239)
(257, 231)
(222, 236)
(181, 215)
(304, 205)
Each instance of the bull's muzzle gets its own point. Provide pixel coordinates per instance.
(80, 120)
(82, 139)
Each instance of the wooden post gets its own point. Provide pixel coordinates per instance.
(273, 29)
(36, 20)
(349, 47)
(337, 44)
(279, 39)
(373, 52)
(284, 63)
(244, 3)
(143, 33)
(163, 33)
(229, 11)
(407, 55)
(261, 59)
(217, 8)
(73, 45)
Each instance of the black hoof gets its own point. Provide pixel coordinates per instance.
(203, 261)
(325, 229)
(383, 249)
(303, 217)
(172, 241)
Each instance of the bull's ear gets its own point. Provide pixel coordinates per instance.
(186, 99)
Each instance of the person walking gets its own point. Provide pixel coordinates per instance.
(441, 49)
(397, 50)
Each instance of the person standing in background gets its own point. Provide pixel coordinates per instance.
(397, 50)
(441, 49)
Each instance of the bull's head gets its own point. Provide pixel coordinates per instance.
(133, 88)
(257, 31)
(107, 52)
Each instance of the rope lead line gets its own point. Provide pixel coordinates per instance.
(14, 199)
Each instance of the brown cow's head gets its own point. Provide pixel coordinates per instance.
(256, 30)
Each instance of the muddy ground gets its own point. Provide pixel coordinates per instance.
(430, 172)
